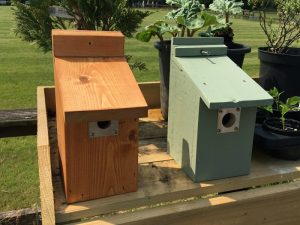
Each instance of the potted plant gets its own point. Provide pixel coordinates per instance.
(188, 18)
(225, 8)
(279, 61)
(279, 135)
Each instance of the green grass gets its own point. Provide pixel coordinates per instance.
(23, 67)
(19, 186)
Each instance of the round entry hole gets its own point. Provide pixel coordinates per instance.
(228, 120)
(103, 124)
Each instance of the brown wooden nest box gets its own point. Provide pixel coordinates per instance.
(98, 104)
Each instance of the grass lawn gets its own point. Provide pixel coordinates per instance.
(23, 67)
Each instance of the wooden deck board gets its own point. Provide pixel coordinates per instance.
(161, 180)
(276, 205)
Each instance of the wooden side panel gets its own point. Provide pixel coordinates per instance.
(68, 43)
(46, 187)
(274, 205)
(50, 99)
(151, 92)
(61, 140)
(101, 166)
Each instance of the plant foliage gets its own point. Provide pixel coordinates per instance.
(291, 104)
(283, 34)
(34, 21)
(225, 8)
(188, 17)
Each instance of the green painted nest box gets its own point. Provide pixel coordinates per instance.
(212, 109)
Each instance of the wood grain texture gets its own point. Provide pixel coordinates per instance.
(95, 83)
(151, 92)
(68, 43)
(161, 181)
(104, 88)
(50, 99)
(44, 163)
(96, 167)
(275, 205)
(164, 181)
(102, 166)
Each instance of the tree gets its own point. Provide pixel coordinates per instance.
(34, 21)
(226, 8)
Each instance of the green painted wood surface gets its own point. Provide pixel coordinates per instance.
(200, 50)
(197, 41)
(193, 140)
(199, 87)
(221, 82)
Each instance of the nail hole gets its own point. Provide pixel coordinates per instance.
(90, 43)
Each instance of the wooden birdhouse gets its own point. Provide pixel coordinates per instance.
(98, 104)
(212, 109)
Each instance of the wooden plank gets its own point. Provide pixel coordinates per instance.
(164, 181)
(17, 122)
(222, 84)
(167, 172)
(79, 43)
(276, 205)
(105, 89)
(151, 92)
(44, 162)
(21, 216)
(50, 99)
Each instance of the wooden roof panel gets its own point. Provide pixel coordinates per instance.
(98, 86)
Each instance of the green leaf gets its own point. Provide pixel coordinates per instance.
(144, 36)
(274, 92)
(284, 109)
(209, 19)
(268, 108)
(293, 101)
(159, 28)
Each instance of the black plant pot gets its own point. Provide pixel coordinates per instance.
(283, 144)
(236, 52)
(274, 124)
(281, 71)
(295, 115)
(261, 115)
(164, 51)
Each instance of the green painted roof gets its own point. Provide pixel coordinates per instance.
(222, 84)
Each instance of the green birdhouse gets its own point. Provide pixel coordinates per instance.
(212, 109)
